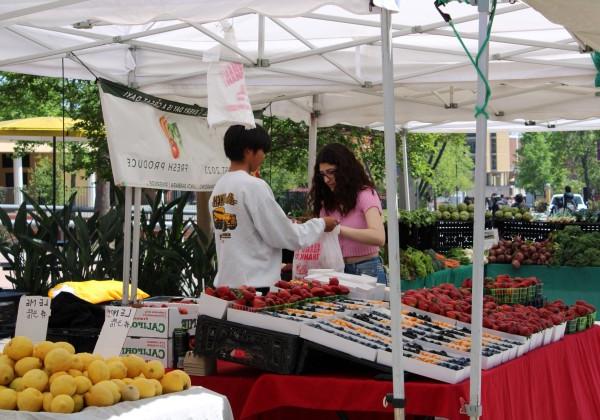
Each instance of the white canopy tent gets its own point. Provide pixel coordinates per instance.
(304, 57)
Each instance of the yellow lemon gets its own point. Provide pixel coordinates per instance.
(135, 365)
(119, 382)
(7, 374)
(62, 404)
(98, 371)
(56, 375)
(83, 384)
(19, 347)
(63, 385)
(154, 369)
(41, 349)
(26, 364)
(75, 372)
(5, 360)
(100, 395)
(36, 378)
(8, 399)
(130, 393)
(30, 399)
(46, 401)
(78, 400)
(187, 381)
(172, 382)
(145, 387)
(86, 359)
(77, 363)
(114, 389)
(58, 359)
(17, 384)
(118, 370)
(157, 386)
(67, 346)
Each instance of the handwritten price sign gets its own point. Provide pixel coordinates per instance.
(32, 317)
(117, 321)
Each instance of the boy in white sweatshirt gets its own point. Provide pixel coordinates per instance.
(250, 227)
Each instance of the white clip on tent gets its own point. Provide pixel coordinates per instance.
(325, 56)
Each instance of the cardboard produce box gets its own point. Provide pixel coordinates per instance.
(150, 349)
(158, 320)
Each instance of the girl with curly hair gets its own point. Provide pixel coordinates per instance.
(342, 189)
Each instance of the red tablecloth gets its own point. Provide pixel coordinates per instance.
(558, 381)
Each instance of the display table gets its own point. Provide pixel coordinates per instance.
(450, 275)
(193, 404)
(567, 283)
(558, 381)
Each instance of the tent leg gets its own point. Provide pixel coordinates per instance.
(474, 408)
(391, 181)
(135, 263)
(406, 175)
(312, 138)
(126, 245)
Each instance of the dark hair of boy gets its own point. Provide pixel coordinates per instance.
(568, 189)
(238, 138)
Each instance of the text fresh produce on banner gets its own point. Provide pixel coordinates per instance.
(157, 143)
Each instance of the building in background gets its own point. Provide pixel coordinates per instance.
(501, 159)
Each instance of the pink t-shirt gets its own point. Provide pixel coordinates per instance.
(365, 200)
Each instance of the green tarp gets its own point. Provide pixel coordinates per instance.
(453, 275)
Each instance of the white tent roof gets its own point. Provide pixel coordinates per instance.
(537, 71)
(517, 126)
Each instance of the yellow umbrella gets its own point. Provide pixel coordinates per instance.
(39, 127)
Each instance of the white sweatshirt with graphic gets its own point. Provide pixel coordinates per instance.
(251, 229)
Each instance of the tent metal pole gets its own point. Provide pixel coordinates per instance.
(391, 177)
(126, 245)
(474, 408)
(39, 8)
(223, 42)
(309, 76)
(135, 263)
(312, 47)
(261, 39)
(312, 138)
(405, 177)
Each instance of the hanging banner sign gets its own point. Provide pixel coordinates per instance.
(160, 144)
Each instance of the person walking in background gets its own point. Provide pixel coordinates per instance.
(569, 199)
(519, 201)
(342, 189)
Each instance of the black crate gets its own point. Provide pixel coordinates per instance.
(452, 234)
(530, 231)
(83, 339)
(420, 238)
(9, 305)
(316, 358)
(263, 349)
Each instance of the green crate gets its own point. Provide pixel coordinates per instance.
(511, 295)
(571, 326)
(591, 318)
(582, 323)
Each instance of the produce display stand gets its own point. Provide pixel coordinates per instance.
(566, 283)
(194, 403)
(563, 374)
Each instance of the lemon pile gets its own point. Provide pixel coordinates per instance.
(52, 377)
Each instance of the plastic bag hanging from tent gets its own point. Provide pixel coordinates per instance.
(228, 101)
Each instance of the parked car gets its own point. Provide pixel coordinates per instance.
(557, 202)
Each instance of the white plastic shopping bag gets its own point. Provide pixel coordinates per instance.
(325, 254)
(228, 101)
(331, 253)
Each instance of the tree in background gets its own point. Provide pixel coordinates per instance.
(538, 164)
(454, 169)
(577, 152)
(25, 96)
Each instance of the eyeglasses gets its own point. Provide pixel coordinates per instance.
(328, 173)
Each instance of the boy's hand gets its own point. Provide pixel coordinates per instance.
(330, 223)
